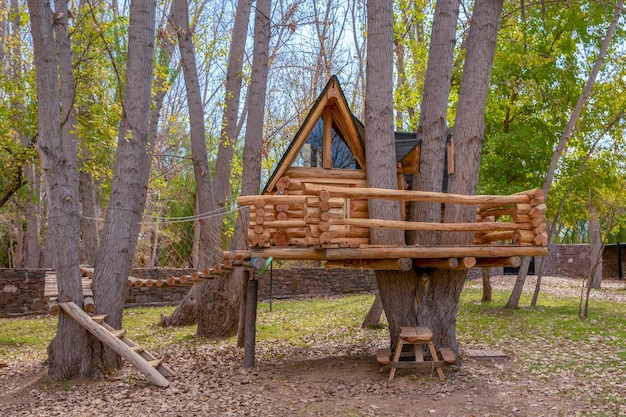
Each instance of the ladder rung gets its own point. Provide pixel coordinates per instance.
(155, 363)
(118, 333)
(137, 348)
(99, 319)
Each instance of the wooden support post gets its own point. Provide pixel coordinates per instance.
(249, 344)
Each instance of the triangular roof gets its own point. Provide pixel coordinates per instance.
(331, 105)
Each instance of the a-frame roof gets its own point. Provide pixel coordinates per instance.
(331, 105)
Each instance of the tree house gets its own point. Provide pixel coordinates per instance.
(315, 204)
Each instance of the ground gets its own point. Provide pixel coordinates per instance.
(293, 382)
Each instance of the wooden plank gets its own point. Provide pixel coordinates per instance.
(423, 333)
(323, 174)
(419, 365)
(409, 333)
(383, 356)
(447, 355)
(482, 354)
(114, 343)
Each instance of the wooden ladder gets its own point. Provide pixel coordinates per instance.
(154, 369)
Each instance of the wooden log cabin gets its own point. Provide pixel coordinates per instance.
(315, 204)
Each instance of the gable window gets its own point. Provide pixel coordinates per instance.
(311, 154)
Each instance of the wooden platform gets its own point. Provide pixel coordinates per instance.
(483, 354)
(51, 290)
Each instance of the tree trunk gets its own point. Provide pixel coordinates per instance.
(129, 184)
(209, 252)
(230, 126)
(486, 285)
(595, 257)
(69, 351)
(29, 177)
(519, 284)
(88, 220)
(432, 126)
(395, 289)
(372, 319)
(251, 182)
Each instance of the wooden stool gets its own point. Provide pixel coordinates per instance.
(416, 336)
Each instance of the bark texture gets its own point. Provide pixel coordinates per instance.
(251, 182)
(129, 185)
(432, 125)
(69, 351)
(230, 126)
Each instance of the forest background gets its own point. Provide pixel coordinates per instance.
(544, 55)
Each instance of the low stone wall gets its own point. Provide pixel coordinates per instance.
(312, 282)
(21, 291)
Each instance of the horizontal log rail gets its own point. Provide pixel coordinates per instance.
(441, 227)
(409, 195)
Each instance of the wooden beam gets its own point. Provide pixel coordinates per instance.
(300, 173)
(248, 200)
(401, 264)
(513, 261)
(289, 254)
(443, 263)
(466, 263)
(327, 147)
(422, 252)
(381, 193)
(114, 343)
(443, 227)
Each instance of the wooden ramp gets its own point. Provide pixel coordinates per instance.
(154, 369)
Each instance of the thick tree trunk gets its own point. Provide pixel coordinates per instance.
(69, 352)
(396, 289)
(432, 127)
(129, 185)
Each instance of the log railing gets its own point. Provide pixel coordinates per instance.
(328, 215)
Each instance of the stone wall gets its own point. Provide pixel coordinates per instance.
(311, 282)
(614, 262)
(21, 291)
